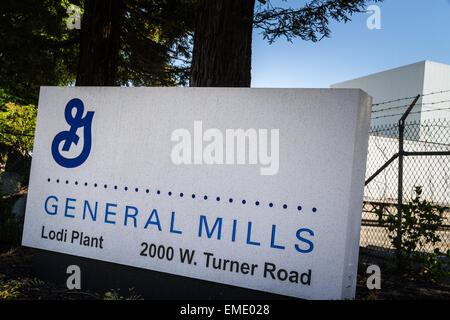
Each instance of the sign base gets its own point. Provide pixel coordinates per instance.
(103, 276)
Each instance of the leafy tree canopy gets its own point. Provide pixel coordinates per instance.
(36, 49)
(21, 121)
(309, 22)
(156, 42)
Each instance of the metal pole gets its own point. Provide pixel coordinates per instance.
(401, 153)
(401, 129)
(384, 166)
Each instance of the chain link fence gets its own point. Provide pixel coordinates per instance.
(430, 170)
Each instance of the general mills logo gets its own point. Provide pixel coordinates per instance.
(70, 137)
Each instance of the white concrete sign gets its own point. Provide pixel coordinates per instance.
(256, 188)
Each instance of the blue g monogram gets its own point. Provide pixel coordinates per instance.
(70, 136)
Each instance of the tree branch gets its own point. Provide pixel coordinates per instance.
(308, 23)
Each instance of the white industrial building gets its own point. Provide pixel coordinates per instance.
(429, 79)
(389, 90)
(428, 129)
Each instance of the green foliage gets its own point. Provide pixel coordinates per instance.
(419, 225)
(37, 48)
(17, 124)
(114, 294)
(10, 289)
(6, 97)
(435, 264)
(156, 42)
(20, 288)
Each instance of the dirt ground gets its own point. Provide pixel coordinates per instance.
(18, 283)
(400, 286)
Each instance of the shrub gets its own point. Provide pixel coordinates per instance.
(419, 225)
(17, 124)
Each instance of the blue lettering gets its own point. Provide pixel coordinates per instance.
(93, 214)
(54, 206)
(149, 221)
(299, 237)
(133, 216)
(171, 224)
(209, 234)
(249, 234)
(107, 212)
(233, 236)
(272, 240)
(69, 207)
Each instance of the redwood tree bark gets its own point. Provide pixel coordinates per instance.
(223, 44)
(100, 43)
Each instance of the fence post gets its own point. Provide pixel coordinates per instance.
(401, 153)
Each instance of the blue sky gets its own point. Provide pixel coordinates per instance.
(411, 31)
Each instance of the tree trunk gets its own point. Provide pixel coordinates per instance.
(223, 44)
(100, 43)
